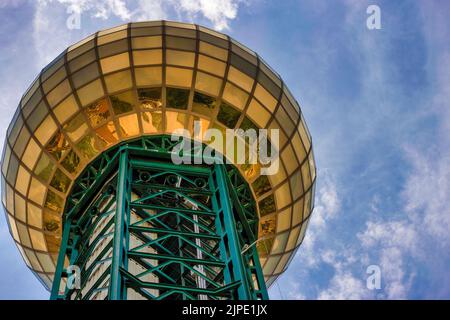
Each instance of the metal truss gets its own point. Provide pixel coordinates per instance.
(140, 227)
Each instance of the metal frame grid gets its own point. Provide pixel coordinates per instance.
(141, 227)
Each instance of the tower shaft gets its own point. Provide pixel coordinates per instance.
(137, 226)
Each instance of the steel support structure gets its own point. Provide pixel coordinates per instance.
(137, 226)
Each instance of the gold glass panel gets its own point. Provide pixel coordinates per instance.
(258, 114)
(213, 51)
(44, 259)
(312, 165)
(123, 102)
(284, 220)
(283, 196)
(129, 125)
(208, 84)
(307, 207)
(177, 98)
(289, 159)
(261, 185)
(60, 181)
(98, 112)
(306, 175)
(118, 81)
(34, 215)
(241, 79)
(13, 226)
(304, 135)
(211, 65)
(23, 234)
(91, 92)
(280, 243)
(146, 42)
(297, 212)
(57, 94)
(76, 128)
(37, 239)
(85, 75)
(88, 146)
(36, 193)
(111, 37)
(22, 180)
(33, 260)
(267, 205)
(204, 104)
(151, 122)
(228, 115)
(302, 232)
(204, 125)
(178, 77)
(150, 98)
(117, 62)
(44, 167)
(265, 98)
(20, 211)
(293, 236)
(71, 162)
(180, 58)
(300, 151)
(145, 57)
(82, 60)
(54, 79)
(282, 264)
(148, 76)
(46, 130)
(108, 133)
(9, 199)
(58, 146)
(235, 96)
(296, 184)
(175, 120)
(31, 154)
(66, 109)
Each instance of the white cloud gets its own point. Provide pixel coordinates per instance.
(327, 206)
(390, 244)
(218, 12)
(344, 286)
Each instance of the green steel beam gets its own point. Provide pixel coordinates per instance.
(191, 230)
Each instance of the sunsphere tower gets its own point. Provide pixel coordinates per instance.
(94, 201)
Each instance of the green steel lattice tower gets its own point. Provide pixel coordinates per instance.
(90, 191)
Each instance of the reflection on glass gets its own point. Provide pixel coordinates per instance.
(267, 205)
(58, 145)
(53, 202)
(177, 98)
(122, 103)
(98, 112)
(76, 128)
(88, 146)
(71, 162)
(203, 104)
(151, 121)
(129, 125)
(174, 120)
(261, 185)
(44, 167)
(228, 115)
(150, 98)
(60, 181)
(107, 133)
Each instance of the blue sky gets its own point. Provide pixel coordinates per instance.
(376, 102)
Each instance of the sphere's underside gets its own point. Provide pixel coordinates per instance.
(143, 79)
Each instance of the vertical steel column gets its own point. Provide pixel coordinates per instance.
(117, 290)
(230, 229)
(60, 265)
